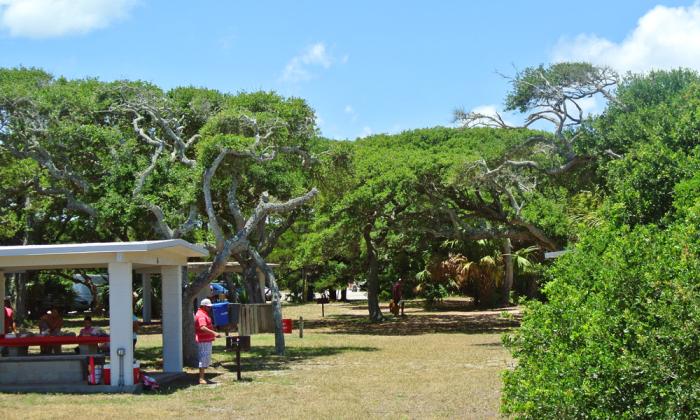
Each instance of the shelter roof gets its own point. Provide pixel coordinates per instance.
(96, 255)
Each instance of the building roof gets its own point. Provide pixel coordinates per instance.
(96, 255)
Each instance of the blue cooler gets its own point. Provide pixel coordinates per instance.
(219, 313)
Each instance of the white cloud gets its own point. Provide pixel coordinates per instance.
(55, 18)
(320, 122)
(351, 112)
(664, 38)
(490, 111)
(298, 69)
(366, 131)
(590, 105)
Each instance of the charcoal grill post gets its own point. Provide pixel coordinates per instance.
(238, 343)
(238, 362)
(322, 301)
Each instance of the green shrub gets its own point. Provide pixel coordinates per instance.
(434, 293)
(618, 336)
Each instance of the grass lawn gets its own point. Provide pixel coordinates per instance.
(443, 363)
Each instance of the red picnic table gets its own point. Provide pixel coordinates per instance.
(52, 340)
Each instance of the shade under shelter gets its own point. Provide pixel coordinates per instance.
(121, 259)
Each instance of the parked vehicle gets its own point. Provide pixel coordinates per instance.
(83, 295)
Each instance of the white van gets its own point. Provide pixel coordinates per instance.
(83, 295)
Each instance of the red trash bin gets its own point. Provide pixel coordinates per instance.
(287, 326)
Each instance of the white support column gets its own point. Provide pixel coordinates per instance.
(172, 318)
(121, 322)
(261, 281)
(2, 311)
(146, 298)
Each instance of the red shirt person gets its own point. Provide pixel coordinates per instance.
(203, 324)
(397, 291)
(397, 295)
(204, 334)
(9, 326)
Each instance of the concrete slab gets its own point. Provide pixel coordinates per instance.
(70, 389)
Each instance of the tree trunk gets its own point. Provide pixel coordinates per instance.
(20, 297)
(276, 302)
(22, 279)
(231, 286)
(507, 284)
(276, 312)
(252, 284)
(190, 352)
(95, 304)
(304, 287)
(375, 312)
(344, 294)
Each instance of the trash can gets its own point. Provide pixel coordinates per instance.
(287, 326)
(107, 373)
(137, 372)
(94, 371)
(219, 313)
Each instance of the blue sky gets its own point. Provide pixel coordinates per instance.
(364, 66)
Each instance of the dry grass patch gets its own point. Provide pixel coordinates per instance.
(441, 364)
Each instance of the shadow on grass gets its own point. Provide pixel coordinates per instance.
(263, 358)
(460, 305)
(258, 359)
(428, 323)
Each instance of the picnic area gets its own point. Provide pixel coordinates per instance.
(421, 365)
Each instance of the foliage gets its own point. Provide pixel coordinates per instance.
(617, 336)
(434, 293)
(534, 86)
(643, 182)
(46, 291)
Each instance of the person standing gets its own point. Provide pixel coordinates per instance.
(204, 336)
(397, 295)
(9, 326)
(135, 324)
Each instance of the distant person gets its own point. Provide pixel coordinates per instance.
(397, 296)
(135, 324)
(9, 326)
(51, 324)
(88, 329)
(205, 336)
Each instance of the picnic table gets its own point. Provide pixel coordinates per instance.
(52, 340)
(19, 368)
(88, 344)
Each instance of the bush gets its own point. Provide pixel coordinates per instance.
(618, 336)
(434, 294)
